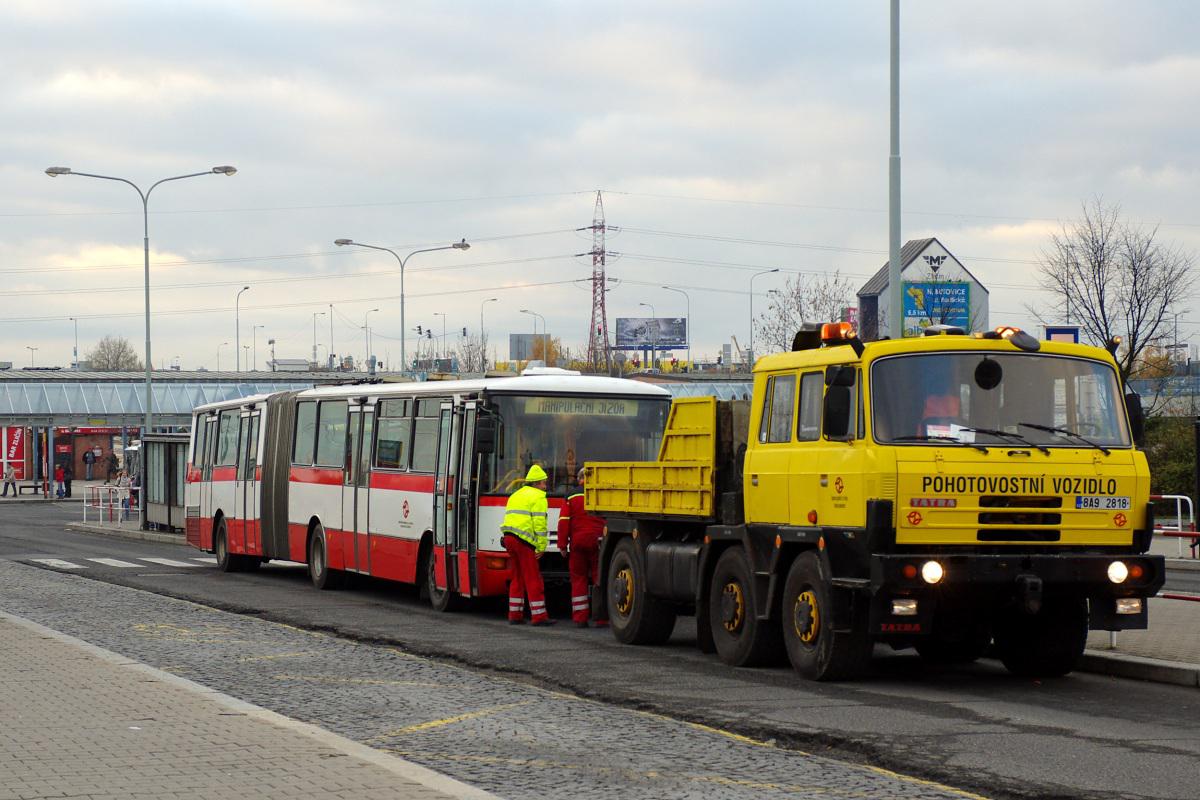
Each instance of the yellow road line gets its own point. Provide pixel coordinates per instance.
(922, 782)
(437, 723)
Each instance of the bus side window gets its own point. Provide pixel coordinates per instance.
(201, 430)
(425, 434)
(227, 438)
(331, 434)
(395, 434)
(305, 435)
(812, 388)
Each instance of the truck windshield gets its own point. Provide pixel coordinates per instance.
(1045, 400)
(561, 433)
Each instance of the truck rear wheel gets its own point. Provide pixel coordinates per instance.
(636, 617)
(1047, 644)
(741, 638)
(816, 650)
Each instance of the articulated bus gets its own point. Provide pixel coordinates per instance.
(403, 481)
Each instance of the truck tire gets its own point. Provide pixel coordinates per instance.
(318, 561)
(636, 617)
(816, 650)
(741, 638)
(1045, 645)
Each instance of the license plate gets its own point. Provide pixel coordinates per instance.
(1102, 502)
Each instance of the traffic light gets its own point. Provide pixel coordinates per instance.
(428, 334)
(464, 331)
(419, 331)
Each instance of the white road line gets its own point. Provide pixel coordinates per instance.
(113, 562)
(58, 563)
(205, 559)
(168, 562)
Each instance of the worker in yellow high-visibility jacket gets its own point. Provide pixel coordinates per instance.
(524, 537)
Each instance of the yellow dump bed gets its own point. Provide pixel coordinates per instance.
(679, 483)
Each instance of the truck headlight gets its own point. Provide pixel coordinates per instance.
(904, 607)
(932, 572)
(1118, 572)
(1129, 605)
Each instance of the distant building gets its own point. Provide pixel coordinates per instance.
(290, 365)
(520, 346)
(937, 289)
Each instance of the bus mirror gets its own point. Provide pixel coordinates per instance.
(839, 376)
(837, 412)
(485, 435)
(1137, 418)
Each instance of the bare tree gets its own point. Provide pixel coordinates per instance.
(1116, 279)
(114, 354)
(471, 353)
(820, 298)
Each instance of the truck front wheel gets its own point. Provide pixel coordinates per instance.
(1044, 645)
(816, 650)
(741, 639)
(635, 615)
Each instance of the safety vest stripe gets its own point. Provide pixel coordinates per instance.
(524, 512)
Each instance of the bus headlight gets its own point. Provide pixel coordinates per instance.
(932, 572)
(1118, 572)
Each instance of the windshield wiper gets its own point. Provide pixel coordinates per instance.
(1008, 435)
(1065, 432)
(978, 447)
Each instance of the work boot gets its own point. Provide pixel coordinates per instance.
(542, 623)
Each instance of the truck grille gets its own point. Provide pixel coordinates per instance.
(1019, 518)
(1014, 501)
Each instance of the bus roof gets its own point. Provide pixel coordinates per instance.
(524, 384)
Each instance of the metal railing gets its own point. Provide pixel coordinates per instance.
(110, 504)
(1184, 525)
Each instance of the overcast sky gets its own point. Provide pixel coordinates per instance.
(755, 135)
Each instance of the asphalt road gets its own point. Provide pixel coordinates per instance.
(975, 727)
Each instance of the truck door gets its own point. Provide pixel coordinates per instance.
(356, 488)
(769, 457)
(804, 467)
(841, 485)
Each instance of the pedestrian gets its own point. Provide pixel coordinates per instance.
(10, 479)
(579, 535)
(123, 484)
(68, 476)
(112, 467)
(89, 458)
(523, 535)
(58, 481)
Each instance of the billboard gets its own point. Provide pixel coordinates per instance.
(936, 303)
(14, 450)
(661, 333)
(1062, 333)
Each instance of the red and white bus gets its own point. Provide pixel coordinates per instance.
(403, 481)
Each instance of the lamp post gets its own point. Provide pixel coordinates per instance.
(462, 245)
(330, 357)
(145, 196)
(545, 334)
(483, 335)
(254, 344)
(654, 341)
(75, 352)
(689, 320)
(367, 335)
(315, 315)
(752, 277)
(222, 344)
(237, 325)
(31, 350)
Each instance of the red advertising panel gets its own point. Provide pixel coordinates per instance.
(14, 450)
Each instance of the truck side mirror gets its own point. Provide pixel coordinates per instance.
(836, 418)
(485, 434)
(1137, 418)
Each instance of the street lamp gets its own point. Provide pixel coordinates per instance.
(545, 335)
(483, 335)
(254, 343)
(367, 335)
(689, 320)
(462, 245)
(227, 170)
(222, 344)
(31, 350)
(752, 277)
(237, 325)
(75, 352)
(315, 315)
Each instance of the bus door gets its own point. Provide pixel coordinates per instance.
(445, 490)
(355, 492)
(245, 536)
(466, 500)
(206, 469)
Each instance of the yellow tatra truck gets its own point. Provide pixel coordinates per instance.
(949, 493)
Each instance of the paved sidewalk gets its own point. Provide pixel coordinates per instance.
(83, 722)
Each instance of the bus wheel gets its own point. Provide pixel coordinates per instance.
(318, 561)
(225, 561)
(816, 650)
(636, 617)
(741, 639)
(440, 599)
(1047, 644)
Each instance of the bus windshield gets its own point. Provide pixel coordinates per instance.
(562, 432)
(1045, 400)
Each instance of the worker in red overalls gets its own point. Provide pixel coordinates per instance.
(579, 535)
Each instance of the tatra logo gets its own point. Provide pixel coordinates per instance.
(934, 261)
(914, 518)
(404, 509)
(839, 485)
(1120, 520)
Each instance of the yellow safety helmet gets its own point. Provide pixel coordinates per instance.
(536, 473)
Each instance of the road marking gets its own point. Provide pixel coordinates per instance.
(113, 562)
(205, 559)
(57, 563)
(168, 562)
(437, 723)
